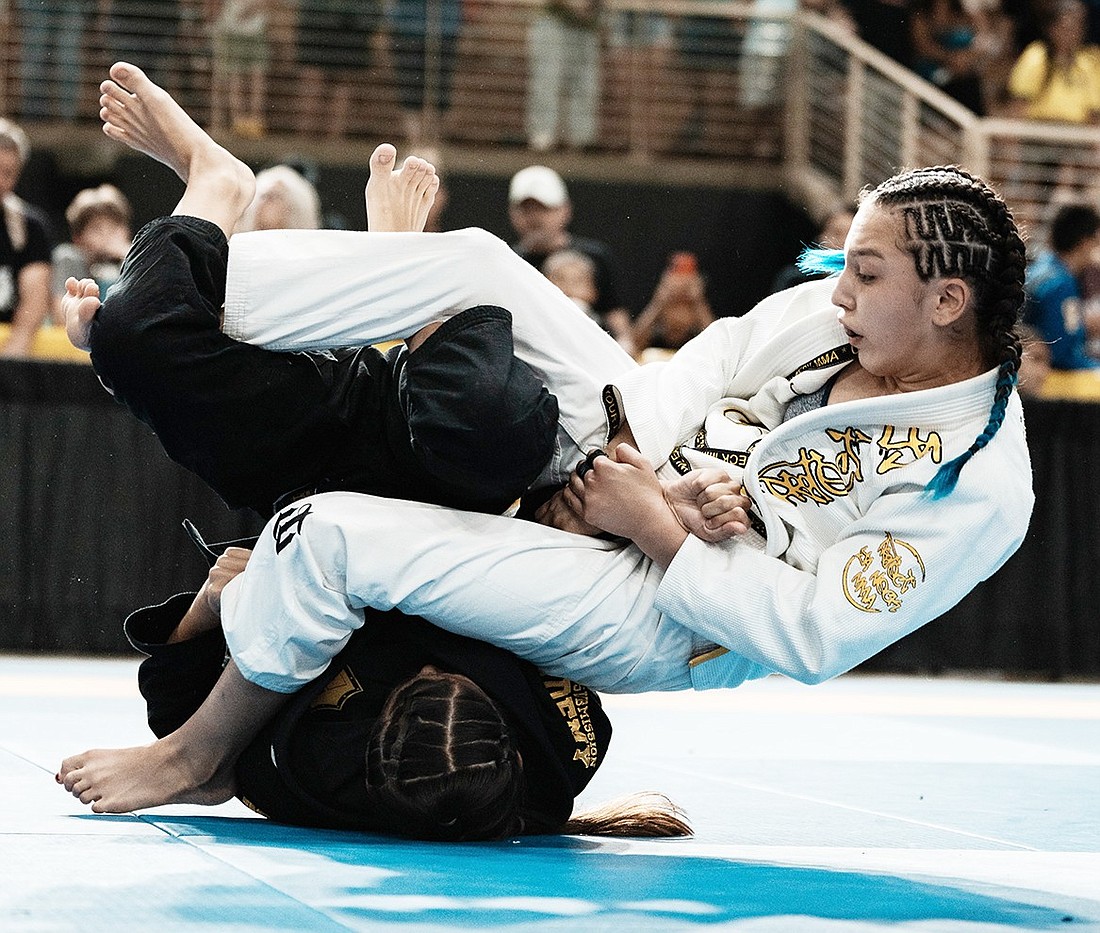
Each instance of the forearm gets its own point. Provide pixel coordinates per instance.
(662, 538)
(25, 324)
(34, 305)
(228, 719)
(198, 619)
(178, 674)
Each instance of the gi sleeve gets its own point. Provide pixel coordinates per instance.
(175, 678)
(902, 564)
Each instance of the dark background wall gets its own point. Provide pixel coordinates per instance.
(93, 510)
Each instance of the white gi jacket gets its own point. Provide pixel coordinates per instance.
(865, 555)
(851, 553)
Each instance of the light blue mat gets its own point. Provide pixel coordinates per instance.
(863, 804)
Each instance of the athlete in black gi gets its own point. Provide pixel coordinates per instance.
(262, 428)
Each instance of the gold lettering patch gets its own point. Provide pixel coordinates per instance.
(340, 689)
(880, 578)
(899, 448)
(572, 703)
(815, 476)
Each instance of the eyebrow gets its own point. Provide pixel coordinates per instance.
(866, 251)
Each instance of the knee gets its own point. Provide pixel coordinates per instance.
(481, 247)
(315, 529)
(478, 415)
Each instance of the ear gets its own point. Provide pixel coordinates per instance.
(952, 301)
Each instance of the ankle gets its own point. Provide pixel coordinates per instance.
(195, 764)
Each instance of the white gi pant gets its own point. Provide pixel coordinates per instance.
(386, 286)
(575, 606)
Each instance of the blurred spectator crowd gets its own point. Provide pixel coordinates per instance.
(312, 67)
(582, 71)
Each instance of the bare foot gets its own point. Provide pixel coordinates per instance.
(79, 305)
(118, 780)
(144, 116)
(398, 201)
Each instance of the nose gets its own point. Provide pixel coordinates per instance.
(841, 297)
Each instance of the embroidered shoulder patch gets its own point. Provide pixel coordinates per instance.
(898, 447)
(880, 578)
(572, 702)
(818, 476)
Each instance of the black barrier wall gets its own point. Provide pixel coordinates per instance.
(93, 509)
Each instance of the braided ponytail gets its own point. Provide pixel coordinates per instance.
(956, 225)
(948, 475)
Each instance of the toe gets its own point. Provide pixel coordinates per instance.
(124, 72)
(382, 159)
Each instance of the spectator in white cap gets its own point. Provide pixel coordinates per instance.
(540, 211)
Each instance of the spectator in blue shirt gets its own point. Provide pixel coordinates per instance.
(1055, 305)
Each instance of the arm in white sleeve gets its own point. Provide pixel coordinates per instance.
(900, 566)
(287, 615)
(664, 403)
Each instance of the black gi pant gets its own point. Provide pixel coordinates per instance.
(262, 427)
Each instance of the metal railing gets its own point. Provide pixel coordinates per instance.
(672, 74)
(745, 84)
(856, 117)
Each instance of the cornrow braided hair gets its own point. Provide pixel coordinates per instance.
(954, 224)
(441, 764)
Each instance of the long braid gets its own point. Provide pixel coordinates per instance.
(956, 225)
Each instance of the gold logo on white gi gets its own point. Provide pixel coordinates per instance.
(813, 477)
(907, 448)
(572, 701)
(869, 581)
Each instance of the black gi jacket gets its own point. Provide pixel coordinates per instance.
(307, 766)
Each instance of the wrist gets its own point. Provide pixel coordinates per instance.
(662, 538)
(199, 618)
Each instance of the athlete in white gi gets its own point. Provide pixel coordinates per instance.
(849, 551)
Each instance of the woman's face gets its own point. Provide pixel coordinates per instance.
(885, 308)
(1067, 29)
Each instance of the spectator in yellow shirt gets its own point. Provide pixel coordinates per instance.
(1057, 77)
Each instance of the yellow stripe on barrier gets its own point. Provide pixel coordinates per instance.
(1081, 385)
(50, 343)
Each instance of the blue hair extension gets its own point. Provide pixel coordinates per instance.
(948, 475)
(816, 260)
